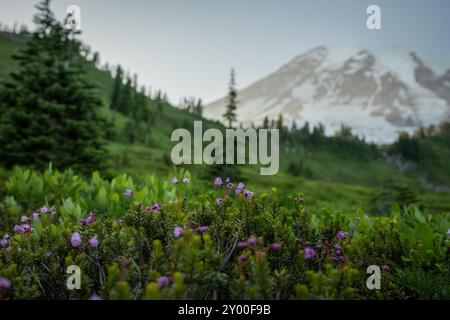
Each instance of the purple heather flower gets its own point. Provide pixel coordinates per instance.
(228, 180)
(202, 229)
(448, 231)
(94, 242)
(75, 240)
(36, 216)
(230, 185)
(178, 232)
(276, 246)
(309, 253)
(301, 200)
(186, 181)
(5, 240)
(252, 242)
(341, 235)
(156, 208)
(242, 245)
(126, 263)
(219, 201)
(242, 258)
(128, 193)
(95, 297)
(174, 180)
(218, 181)
(248, 194)
(240, 188)
(163, 281)
(338, 259)
(44, 210)
(24, 228)
(5, 285)
(24, 219)
(386, 268)
(52, 211)
(90, 219)
(27, 228)
(318, 246)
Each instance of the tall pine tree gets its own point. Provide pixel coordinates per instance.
(230, 114)
(49, 111)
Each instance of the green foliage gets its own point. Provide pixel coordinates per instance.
(299, 169)
(396, 192)
(254, 247)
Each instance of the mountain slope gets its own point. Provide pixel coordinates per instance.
(376, 93)
(136, 158)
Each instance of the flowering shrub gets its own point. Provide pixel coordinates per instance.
(157, 241)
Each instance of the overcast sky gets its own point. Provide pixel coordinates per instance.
(187, 47)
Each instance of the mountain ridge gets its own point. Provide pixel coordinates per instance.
(384, 91)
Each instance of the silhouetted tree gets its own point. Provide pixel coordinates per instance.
(230, 113)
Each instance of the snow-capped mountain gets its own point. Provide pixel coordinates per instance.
(376, 93)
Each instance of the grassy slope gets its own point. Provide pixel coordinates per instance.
(340, 182)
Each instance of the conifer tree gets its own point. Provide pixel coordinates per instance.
(126, 101)
(48, 110)
(230, 114)
(305, 129)
(117, 89)
(96, 59)
(265, 124)
(199, 108)
(280, 122)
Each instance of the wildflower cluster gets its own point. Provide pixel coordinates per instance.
(152, 242)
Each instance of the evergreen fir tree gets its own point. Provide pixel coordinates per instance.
(279, 123)
(199, 108)
(141, 107)
(265, 124)
(117, 89)
(408, 147)
(48, 111)
(126, 101)
(230, 114)
(305, 129)
(96, 59)
(158, 95)
(294, 127)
